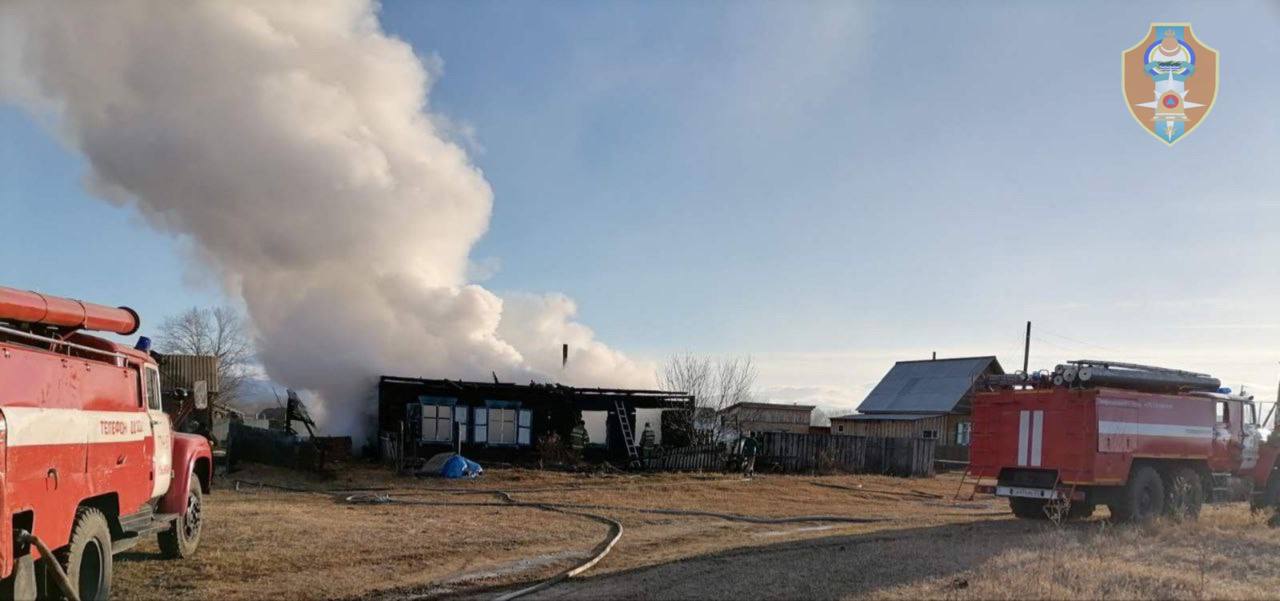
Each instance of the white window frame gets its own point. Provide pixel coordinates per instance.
(433, 416)
(524, 427)
(502, 426)
(460, 418)
(480, 425)
(964, 433)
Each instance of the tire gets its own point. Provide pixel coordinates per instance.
(88, 556)
(182, 538)
(1185, 496)
(1028, 509)
(1142, 498)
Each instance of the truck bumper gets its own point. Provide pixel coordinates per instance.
(1028, 493)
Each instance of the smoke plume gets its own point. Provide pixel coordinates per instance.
(292, 144)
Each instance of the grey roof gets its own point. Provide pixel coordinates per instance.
(892, 417)
(928, 386)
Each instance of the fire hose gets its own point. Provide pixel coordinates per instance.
(615, 527)
(59, 575)
(365, 497)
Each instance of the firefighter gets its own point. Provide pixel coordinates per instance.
(578, 438)
(647, 438)
(750, 448)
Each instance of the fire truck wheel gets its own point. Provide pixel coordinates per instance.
(1028, 509)
(88, 557)
(1185, 494)
(183, 536)
(1142, 499)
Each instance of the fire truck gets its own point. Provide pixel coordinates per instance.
(1143, 441)
(89, 463)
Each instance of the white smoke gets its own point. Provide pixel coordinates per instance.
(293, 144)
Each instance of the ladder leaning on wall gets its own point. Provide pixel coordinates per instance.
(628, 434)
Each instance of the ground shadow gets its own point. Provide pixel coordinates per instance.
(823, 568)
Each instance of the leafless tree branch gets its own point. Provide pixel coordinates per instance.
(221, 332)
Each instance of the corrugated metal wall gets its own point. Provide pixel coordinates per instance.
(183, 371)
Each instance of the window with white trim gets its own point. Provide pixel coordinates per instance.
(481, 427)
(437, 418)
(964, 432)
(503, 425)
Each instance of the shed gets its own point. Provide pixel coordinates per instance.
(929, 399)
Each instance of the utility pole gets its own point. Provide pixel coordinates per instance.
(1026, 351)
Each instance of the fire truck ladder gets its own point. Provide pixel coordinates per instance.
(968, 477)
(965, 479)
(628, 435)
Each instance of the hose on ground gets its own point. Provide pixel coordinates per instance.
(578, 509)
(59, 575)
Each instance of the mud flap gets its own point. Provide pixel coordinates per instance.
(21, 584)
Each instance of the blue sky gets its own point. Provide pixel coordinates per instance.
(825, 186)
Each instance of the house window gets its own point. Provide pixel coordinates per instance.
(839, 428)
(1221, 414)
(1250, 415)
(929, 434)
(504, 425)
(964, 430)
(437, 418)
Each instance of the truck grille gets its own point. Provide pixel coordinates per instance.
(1027, 477)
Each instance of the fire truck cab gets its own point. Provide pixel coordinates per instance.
(89, 462)
(1143, 441)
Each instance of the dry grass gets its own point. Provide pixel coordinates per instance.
(1228, 554)
(263, 543)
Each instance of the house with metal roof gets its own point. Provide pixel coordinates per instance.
(928, 399)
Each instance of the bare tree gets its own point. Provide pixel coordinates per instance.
(715, 384)
(220, 332)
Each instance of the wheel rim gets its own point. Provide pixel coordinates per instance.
(191, 523)
(1146, 501)
(90, 577)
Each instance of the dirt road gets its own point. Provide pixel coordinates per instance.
(825, 568)
(1000, 559)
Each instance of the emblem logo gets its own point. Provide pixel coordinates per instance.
(1170, 81)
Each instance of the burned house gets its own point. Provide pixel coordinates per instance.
(505, 422)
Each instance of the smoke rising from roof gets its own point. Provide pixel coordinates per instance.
(293, 144)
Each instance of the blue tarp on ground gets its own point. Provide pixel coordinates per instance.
(451, 465)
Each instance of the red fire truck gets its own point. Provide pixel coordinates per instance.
(89, 463)
(1144, 441)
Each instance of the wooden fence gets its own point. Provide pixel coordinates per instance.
(801, 453)
(706, 458)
